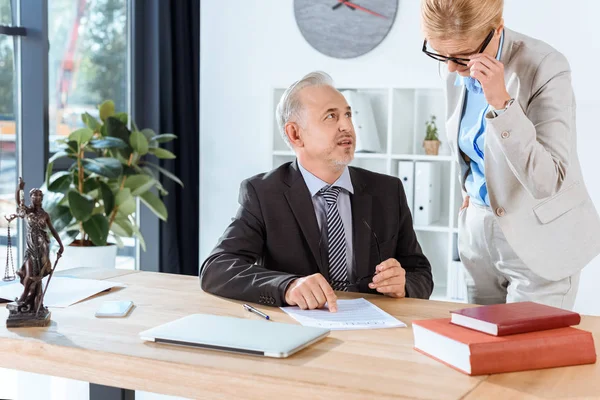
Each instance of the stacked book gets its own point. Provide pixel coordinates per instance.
(505, 338)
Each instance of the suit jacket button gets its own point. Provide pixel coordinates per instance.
(505, 135)
(500, 212)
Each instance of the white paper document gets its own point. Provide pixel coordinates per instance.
(351, 314)
(62, 292)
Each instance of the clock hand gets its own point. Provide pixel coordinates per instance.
(356, 6)
(341, 3)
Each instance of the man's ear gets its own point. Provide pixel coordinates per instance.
(292, 131)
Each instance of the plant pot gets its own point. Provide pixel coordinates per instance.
(432, 147)
(88, 256)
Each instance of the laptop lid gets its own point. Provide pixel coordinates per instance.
(247, 336)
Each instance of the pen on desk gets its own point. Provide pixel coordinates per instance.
(255, 311)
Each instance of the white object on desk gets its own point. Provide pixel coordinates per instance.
(63, 291)
(238, 335)
(114, 309)
(427, 193)
(351, 314)
(367, 136)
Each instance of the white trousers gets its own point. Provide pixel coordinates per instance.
(495, 274)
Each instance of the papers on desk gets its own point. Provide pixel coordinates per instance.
(63, 291)
(351, 314)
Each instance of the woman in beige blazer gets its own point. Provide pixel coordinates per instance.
(527, 225)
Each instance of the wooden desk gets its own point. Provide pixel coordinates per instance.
(349, 364)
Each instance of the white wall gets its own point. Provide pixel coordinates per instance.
(249, 47)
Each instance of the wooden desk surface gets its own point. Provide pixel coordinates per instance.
(347, 364)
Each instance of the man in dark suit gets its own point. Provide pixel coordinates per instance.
(315, 225)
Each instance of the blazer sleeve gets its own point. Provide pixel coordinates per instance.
(419, 281)
(536, 142)
(234, 269)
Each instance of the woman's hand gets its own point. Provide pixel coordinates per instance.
(490, 73)
(21, 183)
(465, 203)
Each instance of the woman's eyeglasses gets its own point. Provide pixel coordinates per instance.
(458, 60)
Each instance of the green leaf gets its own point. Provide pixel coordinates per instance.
(60, 182)
(162, 153)
(154, 204)
(108, 143)
(125, 201)
(94, 194)
(138, 235)
(117, 239)
(107, 109)
(148, 133)
(166, 173)
(104, 166)
(97, 229)
(57, 155)
(49, 168)
(116, 128)
(123, 117)
(90, 122)
(107, 198)
(81, 136)
(122, 227)
(129, 170)
(89, 185)
(69, 146)
(98, 210)
(165, 137)
(81, 206)
(61, 217)
(139, 184)
(138, 141)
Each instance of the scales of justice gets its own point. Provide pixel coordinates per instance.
(29, 310)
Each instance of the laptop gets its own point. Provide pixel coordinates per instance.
(246, 336)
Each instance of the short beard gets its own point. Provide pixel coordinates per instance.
(341, 164)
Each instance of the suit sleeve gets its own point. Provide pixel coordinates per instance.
(234, 269)
(536, 143)
(419, 281)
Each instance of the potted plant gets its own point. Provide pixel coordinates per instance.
(93, 202)
(431, 142)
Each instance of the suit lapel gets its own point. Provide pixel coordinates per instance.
(302, 207)
(361, 212)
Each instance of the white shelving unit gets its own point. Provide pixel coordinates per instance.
(400, 116)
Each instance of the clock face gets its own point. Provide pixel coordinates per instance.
(345, 29)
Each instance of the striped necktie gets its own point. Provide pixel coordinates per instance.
(338, 270)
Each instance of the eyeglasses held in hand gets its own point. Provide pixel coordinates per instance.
(376, 240)
(458, 60)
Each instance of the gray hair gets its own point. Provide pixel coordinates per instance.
(290, 106)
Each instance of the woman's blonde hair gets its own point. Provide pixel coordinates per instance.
(459, 19)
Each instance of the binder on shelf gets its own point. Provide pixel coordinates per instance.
(367, 136)
(457, 287)
(406, 173)
(427, 193)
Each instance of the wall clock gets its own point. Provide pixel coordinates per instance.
(345, 29)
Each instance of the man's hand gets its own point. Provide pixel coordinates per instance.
(465, 203)
(390, 279)
(311, 292)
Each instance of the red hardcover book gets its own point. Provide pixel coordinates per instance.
(508, 319)
(477, 353)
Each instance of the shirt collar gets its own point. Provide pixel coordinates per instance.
(315, 184)
(460, 80)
